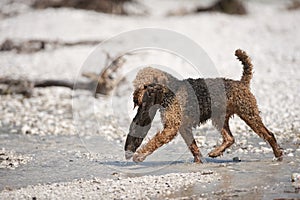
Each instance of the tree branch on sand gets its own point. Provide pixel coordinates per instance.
(233, 7)
(102, 83)
(106, 6)
(294, 5)
(35, 45)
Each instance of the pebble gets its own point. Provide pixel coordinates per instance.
(12, 160)
(26, 129)
(236, 159)
(266, 149)
(257, 150)
(262, 143)
(241, 151)
(295, 177)
(290, 155)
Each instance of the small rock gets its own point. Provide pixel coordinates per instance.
(295, 177)
(13, 131)
(290, 155)
(262, 143)
(236, 159)
(240, 151)
(26, 129)
(257, 150)
(266, 149)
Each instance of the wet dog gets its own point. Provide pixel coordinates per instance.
(188, 103)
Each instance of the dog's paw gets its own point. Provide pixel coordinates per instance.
(278, 158)
(139, 157)
(197, 159)
(215, 154)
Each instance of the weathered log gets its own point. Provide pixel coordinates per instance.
(295, 5)
(106, 6)
(102, 83)
(16, 86)
(233, 7)
(32, 46)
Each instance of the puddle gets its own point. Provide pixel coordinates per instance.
(65, 158)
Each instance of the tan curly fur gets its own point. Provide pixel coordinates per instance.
(188, 103)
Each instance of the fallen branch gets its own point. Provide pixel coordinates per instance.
(233, 7)
(108, 78)
(32, 46)
(16, 86)
(102, 83)
(295, 5)
(106, 6)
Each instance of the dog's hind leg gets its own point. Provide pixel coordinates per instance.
(172, 121)
(222, 125)
(256, 124)
(248, 111)
(187, 135)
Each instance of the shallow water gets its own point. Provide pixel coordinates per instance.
(65, 158)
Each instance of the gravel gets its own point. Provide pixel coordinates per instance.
(11, 159)
(119, 188)
(49, 111)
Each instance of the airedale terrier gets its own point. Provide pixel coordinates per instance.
(185, 104)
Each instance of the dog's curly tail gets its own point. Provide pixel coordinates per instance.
(247, 66)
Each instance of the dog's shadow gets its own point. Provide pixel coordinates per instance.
(146, 164)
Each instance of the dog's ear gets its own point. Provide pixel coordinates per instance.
(154, 94)
(138, 95)
(151, 94)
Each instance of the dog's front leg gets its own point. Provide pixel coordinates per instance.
(157, 141)
(172, 121)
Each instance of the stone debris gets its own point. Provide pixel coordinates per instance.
(295, 177)
(119, 188)
(236, 159)
(48, 112)
(12, 160)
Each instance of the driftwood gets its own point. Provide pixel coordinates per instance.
(32, 46)
(295, 5)
(102, 83)
(106, 6)
(233, 7)
(11, 8)
(16, 86)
